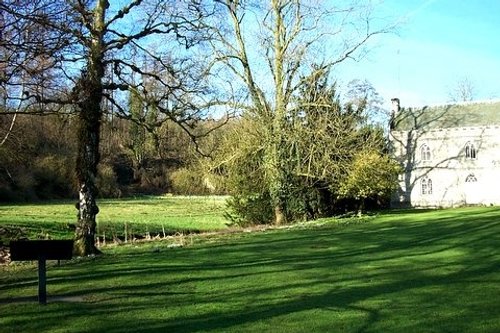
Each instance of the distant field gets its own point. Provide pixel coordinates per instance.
(137, 216)
(401, 271)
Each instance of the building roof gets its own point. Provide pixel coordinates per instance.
(471, 114)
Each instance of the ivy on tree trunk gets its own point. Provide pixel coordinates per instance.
(86, 165)
(89, 92)
(87, 161)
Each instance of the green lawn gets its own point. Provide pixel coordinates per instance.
(138, 216)
(420, 271)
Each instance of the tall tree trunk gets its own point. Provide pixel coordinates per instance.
(279, 213)
(90, 92)
(86, 165)
(273, 153)
(279, 172)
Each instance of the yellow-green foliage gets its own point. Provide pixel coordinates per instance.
(239, 160)
(371, 174)
(107, 182)
(188, 181)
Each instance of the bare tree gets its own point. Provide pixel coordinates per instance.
(464, 90)
(80, 56)
(362, 95)
(266, 49)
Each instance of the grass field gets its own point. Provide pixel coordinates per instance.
(136, 216)
(419, 271)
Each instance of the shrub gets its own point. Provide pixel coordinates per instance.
(18, 186)
(54, 177)
(107, 182)
(250, 210)
(188, 182)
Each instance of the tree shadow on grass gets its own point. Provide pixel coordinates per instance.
(348, 279)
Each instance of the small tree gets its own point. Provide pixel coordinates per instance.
(371, 175)
(137, 132)
(362, 95)
(464, 90)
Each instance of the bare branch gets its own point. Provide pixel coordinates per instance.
(123, 12)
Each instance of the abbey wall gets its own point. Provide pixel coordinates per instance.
(450, 155)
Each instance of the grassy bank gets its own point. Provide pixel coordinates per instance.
(436, 271)
(136, 216)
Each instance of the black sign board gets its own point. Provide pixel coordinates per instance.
(41, 250)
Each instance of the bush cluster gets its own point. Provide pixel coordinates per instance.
(37, 162)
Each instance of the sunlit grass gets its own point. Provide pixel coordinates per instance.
(407, 271)
(140, 215)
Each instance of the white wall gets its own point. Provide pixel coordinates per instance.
(448, 167)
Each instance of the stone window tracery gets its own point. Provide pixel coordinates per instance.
(425, 153)
(426, 186)
(470, 151)
(471, 178)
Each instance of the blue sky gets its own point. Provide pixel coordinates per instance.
(439, 43)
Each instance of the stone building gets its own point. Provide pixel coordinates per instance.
(450, 154)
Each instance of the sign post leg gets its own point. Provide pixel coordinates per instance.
(42, 281)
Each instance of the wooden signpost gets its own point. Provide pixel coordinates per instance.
(41, 250)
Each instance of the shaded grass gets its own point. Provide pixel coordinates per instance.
(136, 215)
(417, 271)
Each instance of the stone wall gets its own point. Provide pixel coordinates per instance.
(455, 179)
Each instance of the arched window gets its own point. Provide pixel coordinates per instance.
(425, 153)
(470, 151)
(426, 186)
(471, 178)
